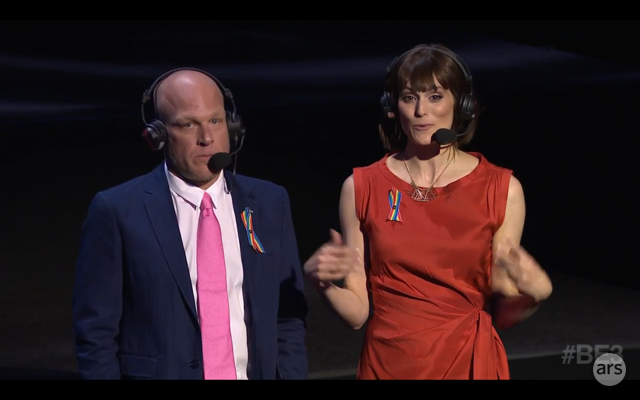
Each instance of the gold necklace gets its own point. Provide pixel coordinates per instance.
(428, 194)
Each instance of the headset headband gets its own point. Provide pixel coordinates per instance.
(153, 89)
(457, 59)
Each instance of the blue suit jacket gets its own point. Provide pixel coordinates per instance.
(133, 309)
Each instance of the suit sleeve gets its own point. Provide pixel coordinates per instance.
(292, 311)
(97, 293)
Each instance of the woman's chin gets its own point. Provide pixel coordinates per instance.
(422, 141)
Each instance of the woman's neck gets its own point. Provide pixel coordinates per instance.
(426, 163)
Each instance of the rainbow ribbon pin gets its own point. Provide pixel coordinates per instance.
(394, 205)
(247, 220)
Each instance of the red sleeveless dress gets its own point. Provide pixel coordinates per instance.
(430, 275)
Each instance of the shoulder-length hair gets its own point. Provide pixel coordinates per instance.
(417, 69)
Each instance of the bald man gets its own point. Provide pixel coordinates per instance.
(180, 278)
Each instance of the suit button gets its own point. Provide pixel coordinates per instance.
(195, 364)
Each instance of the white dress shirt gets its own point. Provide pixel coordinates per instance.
(186, 201)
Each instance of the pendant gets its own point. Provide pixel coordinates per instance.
(423, 195)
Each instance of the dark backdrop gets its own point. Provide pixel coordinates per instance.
(69, 102)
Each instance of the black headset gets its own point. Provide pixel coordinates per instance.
(155, 132)
(466, 103)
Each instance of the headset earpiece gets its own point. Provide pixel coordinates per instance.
(235, 127)
(467, 107)
(387, 103)
(155, 132)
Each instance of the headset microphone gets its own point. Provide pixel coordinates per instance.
(219, 161)
(444, 136)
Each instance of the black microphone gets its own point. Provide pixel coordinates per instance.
(444, 136)
(219, 161)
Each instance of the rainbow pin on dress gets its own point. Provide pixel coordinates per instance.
(394, 205)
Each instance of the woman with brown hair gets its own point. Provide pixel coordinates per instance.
(439, 230)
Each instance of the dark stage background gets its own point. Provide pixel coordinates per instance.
(561, 105)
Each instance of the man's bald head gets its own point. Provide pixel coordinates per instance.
(183, 90)
(191, 105)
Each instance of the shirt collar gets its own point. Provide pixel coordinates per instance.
(193, 194)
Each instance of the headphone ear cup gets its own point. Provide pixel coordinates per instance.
(386, 101)
(235, 127)
(467, 108)
(155, 134)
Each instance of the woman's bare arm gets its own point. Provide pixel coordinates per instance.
(519, 282)
(350, 302)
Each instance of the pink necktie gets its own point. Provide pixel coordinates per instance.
(213, 303)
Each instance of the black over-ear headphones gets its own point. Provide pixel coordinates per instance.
(155, 132)
(466, 103)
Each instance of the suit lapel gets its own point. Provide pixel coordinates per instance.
(243, 198)
(163, 218)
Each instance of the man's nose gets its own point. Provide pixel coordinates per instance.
(205, 137)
